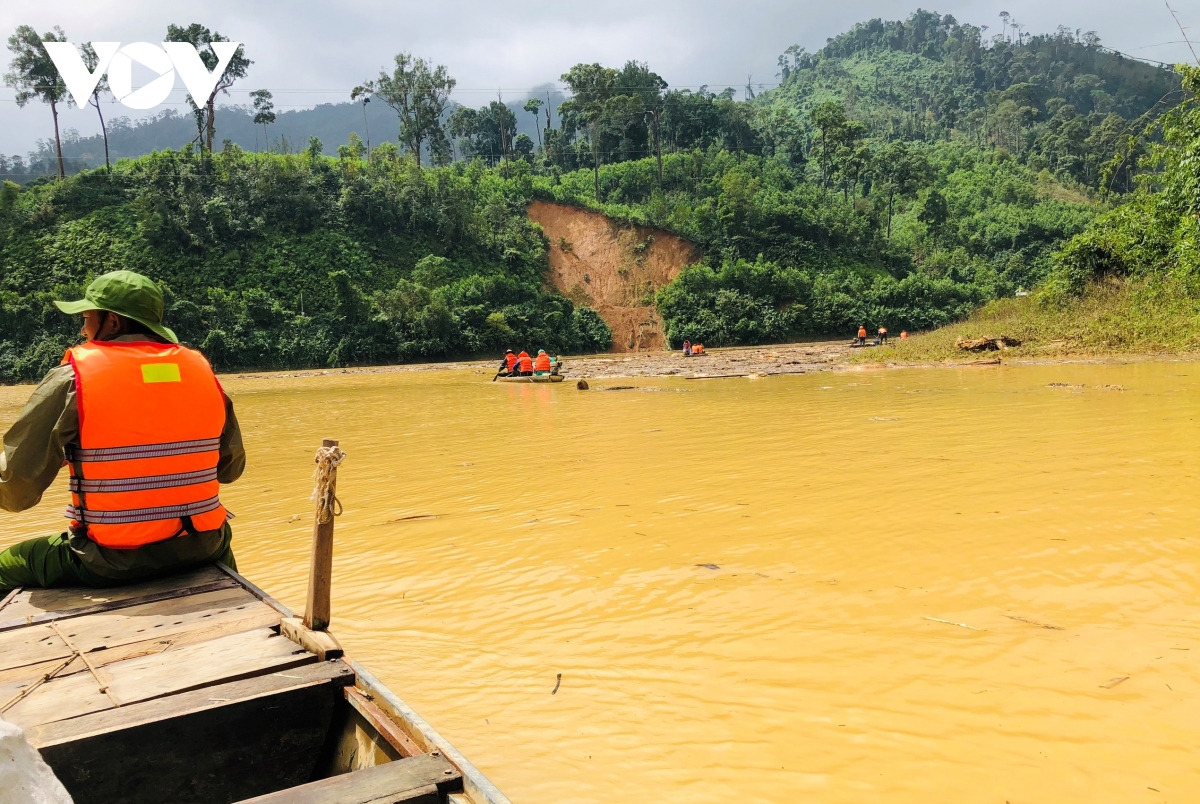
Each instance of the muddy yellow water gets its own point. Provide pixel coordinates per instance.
(902, 586)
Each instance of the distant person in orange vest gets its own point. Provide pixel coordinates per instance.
(147, 434)
(903, 334)
(541, 364)
(883, 335)
(507, 364)
(862, 335)
(524, 365)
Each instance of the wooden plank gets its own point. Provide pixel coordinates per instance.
(402, 780)
(263, 618)
(9, 597)
(163, 620)
(217, 696)
(229, 658)
(113, 605)
(254, 590)
(383, 724)
(478, 787)
(39, 601)
(322, 643)
(222, 743)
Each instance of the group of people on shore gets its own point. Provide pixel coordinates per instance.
(881, 336)
(522, 365)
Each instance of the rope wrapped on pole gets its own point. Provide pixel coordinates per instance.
(327, 507)
(325, 477)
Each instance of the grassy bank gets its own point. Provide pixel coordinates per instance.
(1116, 317)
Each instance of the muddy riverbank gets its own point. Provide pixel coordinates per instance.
(742, 361)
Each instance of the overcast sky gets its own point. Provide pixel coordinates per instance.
(309, 52)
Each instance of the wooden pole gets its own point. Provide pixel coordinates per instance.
(320, 571)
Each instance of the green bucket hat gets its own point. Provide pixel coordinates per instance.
(126, 294)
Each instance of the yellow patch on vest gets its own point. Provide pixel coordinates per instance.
(161, 372)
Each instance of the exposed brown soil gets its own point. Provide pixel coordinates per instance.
(614, 268)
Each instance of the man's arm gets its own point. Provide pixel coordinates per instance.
(35, 446)
(232, 460)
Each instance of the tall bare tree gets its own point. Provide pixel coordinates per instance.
(202, 38)
(91, 60)
(363, 92)
(33, 75)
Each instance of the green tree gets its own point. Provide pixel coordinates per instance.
(830, 120)
(202, 38)
(418, 94)
(264, 112)
(935, 212)
(534, 106)
(591, 94)
(487, 133)
(902, 170)
(33, 75)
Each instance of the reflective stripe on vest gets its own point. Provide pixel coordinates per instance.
(150, 423)
(143, 451)
(145, 514)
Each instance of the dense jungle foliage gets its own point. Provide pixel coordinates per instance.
(901, 176)
(277, 261)
(1155, 233)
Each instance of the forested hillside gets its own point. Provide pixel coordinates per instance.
(901, 176)
(276, 261)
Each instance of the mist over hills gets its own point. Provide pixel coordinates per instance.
(331, 123)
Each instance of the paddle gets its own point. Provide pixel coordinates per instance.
(499, 374)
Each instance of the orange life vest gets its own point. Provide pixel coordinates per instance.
(524, 363)
(150, 422)
(510, 360)
(862, 332)
(542, 363)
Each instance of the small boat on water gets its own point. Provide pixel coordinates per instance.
(534, 378)
(190, 689)
(201, 688)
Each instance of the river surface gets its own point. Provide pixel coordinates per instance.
(907, 585)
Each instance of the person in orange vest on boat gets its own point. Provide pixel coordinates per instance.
(862, 335)
(507, 364)
(147, 434)
(541, 364)
(524, 365)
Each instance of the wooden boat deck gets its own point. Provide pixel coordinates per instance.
(184, 690)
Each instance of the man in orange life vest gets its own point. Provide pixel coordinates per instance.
(524, 365)
(541, 364)
(507, 364)
(148, 435)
